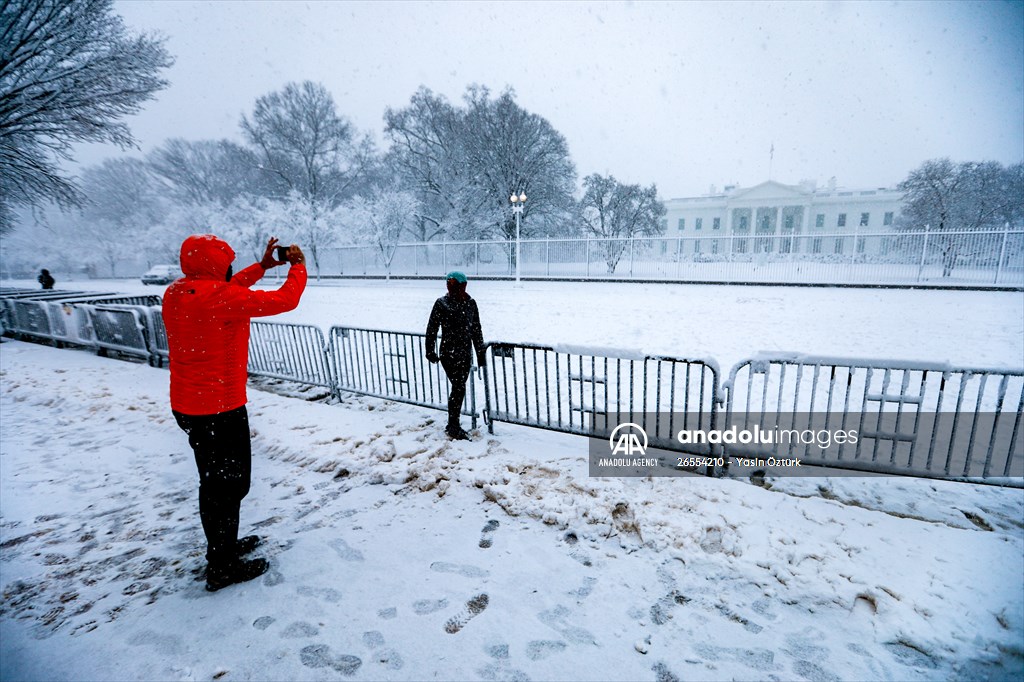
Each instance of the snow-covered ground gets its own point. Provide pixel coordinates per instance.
(727, 323)
(397, 554)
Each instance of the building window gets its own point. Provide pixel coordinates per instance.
(714, 244)
(841, 222)
(696, 244)
(887, 220)
(698, 223)
(716, 223)
(839, 245)
(819, 220)
(682, 224)
(741, 246)
(816, 245)
(864, 218)
(789, 222)
(861, 243)
(765, 224)
(664, 224)
(743, 222)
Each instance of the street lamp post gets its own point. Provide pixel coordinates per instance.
(518, 203)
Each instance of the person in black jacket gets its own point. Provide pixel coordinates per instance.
(457, 316)
(46, 279)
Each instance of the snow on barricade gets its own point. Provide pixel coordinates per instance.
(760, 361)
(600, 351)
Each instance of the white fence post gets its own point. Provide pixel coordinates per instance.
(1002, 253)
(924, 251)
(588, 255)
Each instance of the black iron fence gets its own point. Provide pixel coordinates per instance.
(585, 391)
(393, 365)
(914, 418)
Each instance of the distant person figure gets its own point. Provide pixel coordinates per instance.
(207, 314)
(46, 279)
(457, 316)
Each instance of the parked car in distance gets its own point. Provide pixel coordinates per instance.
(161, 274)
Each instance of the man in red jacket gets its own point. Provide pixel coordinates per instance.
(207, 315)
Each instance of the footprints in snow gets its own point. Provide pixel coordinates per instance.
(474, 607)
(423, 607)
(427, 606)
(556, 619)
(344, 551)
(320, 656)
(487, 535)
(387, 657)
(575, 551)
(464, 570)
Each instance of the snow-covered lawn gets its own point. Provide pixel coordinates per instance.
(397, 554)
(726, 323)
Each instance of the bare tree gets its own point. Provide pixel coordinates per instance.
(953, 198)
(123, 206)
(381, 218)
(429, 156)
(207, 171)
(463, 163)
(616, 212)
(312, 155)
(305, 146)
(69, 72)
(511, 150)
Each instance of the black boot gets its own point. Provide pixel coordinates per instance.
(238, 572)
(456, 432)
(247, 544)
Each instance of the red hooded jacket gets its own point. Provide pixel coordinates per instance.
(207, 321)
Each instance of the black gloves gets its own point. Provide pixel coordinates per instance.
(431, 356)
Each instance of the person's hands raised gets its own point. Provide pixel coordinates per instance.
(269, 261)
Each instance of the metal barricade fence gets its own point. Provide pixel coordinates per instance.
(393, 365)
(121, 329)
(585, 391)
(293, 352)
(158, 337)
(29, 318)
(917, 419)
(69, 324)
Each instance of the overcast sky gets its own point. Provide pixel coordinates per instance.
(680, 94)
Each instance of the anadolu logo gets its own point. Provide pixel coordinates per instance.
(625, 440)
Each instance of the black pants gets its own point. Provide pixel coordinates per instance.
(458, 373)
(224, 459)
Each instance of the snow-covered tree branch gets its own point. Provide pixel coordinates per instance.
(69, 72)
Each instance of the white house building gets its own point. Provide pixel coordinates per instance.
(774, 217)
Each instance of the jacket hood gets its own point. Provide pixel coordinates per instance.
(206, 257)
